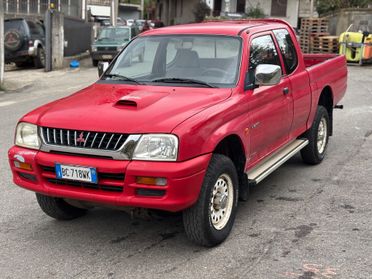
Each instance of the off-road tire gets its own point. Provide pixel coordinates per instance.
(197, 219)
(310, 153)
(58, 209)
(39, 60)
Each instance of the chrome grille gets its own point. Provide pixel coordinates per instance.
(83, 139)
(106, 48)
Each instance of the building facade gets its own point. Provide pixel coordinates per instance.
(181, 11)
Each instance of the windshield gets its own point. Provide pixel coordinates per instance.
(114, 34)
(181, 59)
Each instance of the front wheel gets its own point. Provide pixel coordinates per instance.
(209, 221)
(318, 136)
(58, 209)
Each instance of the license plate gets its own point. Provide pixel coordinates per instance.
(85, 174)
(106, 56)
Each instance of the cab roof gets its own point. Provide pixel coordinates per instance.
(228, 27)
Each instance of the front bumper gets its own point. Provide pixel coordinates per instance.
(117, 180)
(106, 55)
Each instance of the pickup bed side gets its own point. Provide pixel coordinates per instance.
(328, 76)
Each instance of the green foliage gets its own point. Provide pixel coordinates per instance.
(256, 12)
(200, 11)
(325, 6)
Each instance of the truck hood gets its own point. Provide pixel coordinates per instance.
(126, 108)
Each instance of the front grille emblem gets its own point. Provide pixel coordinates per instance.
(81, 138)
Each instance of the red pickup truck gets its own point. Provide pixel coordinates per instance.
(185, 118)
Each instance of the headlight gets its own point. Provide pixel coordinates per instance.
(94, 48)
(27, 136)
(156, 147)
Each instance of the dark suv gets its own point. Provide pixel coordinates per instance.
(24, 42)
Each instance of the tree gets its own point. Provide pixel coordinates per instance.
(200, 11)
(256, 12)
(325, 6)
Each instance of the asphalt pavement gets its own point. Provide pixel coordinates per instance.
(302, 222)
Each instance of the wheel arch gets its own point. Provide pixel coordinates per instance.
(326, 100)
(232, 147)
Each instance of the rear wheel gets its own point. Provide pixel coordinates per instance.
(209, 221)
(58, 209)
(39, 60)
(318, 136)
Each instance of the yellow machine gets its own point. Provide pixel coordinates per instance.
(356, 46)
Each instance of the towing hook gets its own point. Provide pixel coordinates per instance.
(339, 106)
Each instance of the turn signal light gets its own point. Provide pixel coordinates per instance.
(157, 181)
(23, 166)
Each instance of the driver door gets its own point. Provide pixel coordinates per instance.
(270, 106)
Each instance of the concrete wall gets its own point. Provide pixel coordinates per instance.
(176, 11)
(340, 21)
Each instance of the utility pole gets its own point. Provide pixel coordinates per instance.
(143, 9)
(1, 43)
(114, 12)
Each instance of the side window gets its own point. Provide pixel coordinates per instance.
(263, 51)
(40, 29)
(33, 28)
(287, 49)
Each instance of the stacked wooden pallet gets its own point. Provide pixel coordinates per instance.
(312, 28)
(324, 44)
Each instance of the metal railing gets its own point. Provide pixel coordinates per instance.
(71, 8)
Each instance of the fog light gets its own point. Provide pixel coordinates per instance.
(158, 181)
(23, 166)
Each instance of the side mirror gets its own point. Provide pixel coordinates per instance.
(102, 67)
(267, 74)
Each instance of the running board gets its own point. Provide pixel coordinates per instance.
(265, 168)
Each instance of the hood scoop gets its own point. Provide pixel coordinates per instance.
(140, 99)
(126, 103)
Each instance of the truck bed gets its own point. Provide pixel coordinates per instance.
(314, 59)
(327, 70)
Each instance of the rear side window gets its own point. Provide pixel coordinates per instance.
(33, 28)
(263, 51)
(287, 49)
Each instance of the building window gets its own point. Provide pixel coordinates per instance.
(279, 8)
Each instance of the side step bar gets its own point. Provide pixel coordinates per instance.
(267, 166)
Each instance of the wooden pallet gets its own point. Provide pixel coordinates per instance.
(311, 29)
(324, 44)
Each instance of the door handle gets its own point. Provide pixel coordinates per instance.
(285, 90)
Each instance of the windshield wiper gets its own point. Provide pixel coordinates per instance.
(121, 77)
(183, 80)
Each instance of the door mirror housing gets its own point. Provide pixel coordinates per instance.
(102, 67)
(267, 74)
